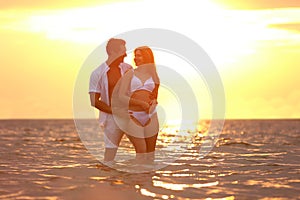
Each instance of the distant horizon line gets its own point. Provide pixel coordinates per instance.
(6, 119)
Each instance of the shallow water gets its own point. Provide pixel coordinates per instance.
(253, 159)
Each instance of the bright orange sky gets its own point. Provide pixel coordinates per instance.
(255, 47)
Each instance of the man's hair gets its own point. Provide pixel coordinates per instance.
(113, 44)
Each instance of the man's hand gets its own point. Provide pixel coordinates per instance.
(145, 106)
(97, 103)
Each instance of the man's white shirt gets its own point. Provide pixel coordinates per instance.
(99, 84)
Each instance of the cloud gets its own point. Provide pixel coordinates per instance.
(234, 4)
(53, 4)
(259, 4)
(288, 26)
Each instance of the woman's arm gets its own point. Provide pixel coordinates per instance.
(154, 93)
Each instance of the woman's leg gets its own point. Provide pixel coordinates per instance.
(138, 143)
(135, 134)
(140, 149)
(151, 133)
(151, 143)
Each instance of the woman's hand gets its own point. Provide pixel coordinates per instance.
(152, 104)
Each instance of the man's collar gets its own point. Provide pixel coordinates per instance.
(108, 67)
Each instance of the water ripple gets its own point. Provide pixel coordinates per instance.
(45, 159)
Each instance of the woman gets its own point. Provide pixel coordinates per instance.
(139, 89)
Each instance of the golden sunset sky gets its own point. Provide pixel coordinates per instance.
(255, 47)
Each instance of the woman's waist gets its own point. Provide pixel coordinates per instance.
(131, 111)
(139, 97)
(136, 108)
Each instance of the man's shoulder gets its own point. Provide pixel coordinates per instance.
(100, 69)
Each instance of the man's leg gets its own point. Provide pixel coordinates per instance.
(112, 139)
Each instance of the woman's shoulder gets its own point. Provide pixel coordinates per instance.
(129, 73)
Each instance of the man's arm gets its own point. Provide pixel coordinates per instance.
(97, 103)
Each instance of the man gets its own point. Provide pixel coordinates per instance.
(102, 83)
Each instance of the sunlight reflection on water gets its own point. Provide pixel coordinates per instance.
(44, 159)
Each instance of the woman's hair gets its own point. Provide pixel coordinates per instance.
(146, 53)
(148, 58)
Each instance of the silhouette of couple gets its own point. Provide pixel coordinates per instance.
(127, 100)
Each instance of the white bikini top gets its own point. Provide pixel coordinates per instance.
(137, 84)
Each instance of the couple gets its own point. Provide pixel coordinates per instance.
(137, 93)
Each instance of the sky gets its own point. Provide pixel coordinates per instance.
(254, 45)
